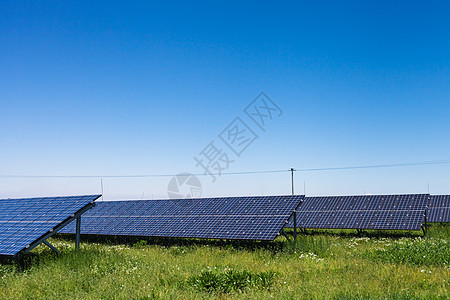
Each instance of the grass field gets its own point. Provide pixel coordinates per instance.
(323, 265)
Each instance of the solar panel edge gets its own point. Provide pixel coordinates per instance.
(54, 197)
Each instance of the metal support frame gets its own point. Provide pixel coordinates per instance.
(295, 225)
(285, 235)
(294, 215)
(78, 234)
(51, 247)
(123, 238)
(424, 225)
(58, 227)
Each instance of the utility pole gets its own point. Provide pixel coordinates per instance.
(304, 187)
(292, 180)
(295, 212)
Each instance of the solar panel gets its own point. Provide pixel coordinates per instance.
(25, 222)
(396, 212)
(439, 209)
(249, 218)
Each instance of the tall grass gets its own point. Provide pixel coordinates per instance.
(417, 252)
(438, 230)
(226, 281)
(318, 245)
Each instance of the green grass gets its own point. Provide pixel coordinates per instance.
(420, 252)
(324, 265)
(228, 280)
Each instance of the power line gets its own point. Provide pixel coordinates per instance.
(394, 165)
(436, 162)
(141, 175)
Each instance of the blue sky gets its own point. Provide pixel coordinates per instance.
(128, 88)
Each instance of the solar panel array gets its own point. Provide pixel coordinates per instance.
(439, 209)
(396, 212)
(23, 221)
(250, 218)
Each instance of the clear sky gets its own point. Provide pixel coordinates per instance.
(106, 88)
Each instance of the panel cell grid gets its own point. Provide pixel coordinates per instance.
(393, 212)
(438, 209)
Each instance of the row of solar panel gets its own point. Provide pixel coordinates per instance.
(400, 212)
(398, 220)
(255, 218)
(191, 218)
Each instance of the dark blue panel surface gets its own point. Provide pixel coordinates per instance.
(257, 218)
(399, 212)
(23, 221)
(439, 209)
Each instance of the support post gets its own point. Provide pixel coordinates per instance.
(51, 247)
(424, 226)
(295, 225)
(77, 234)
(285, 235)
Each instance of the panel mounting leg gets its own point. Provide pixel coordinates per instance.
(424, 226)
(295, 225)
(122, 238)
(77, 234)
(285, 235)
(51, 247)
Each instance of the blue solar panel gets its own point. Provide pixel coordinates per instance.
(396, 212)
(254, 218)
(438, 209)
(23, 221)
